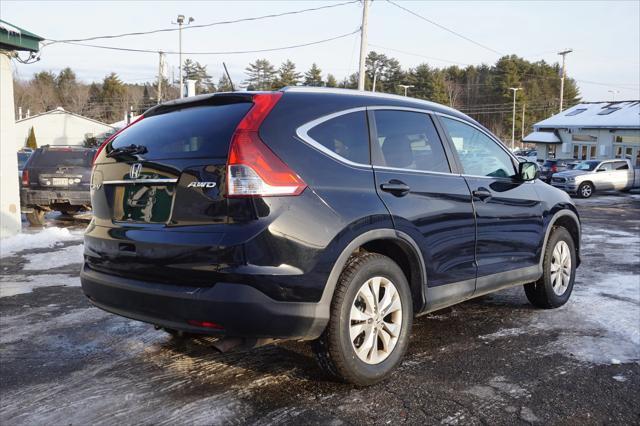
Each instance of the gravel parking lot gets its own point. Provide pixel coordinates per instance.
(491, 360)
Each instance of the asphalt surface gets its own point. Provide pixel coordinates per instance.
(493, 360)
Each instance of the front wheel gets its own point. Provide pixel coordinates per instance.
(585, 190)
(554, 288)
(370, 322)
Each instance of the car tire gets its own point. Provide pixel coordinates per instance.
(379, 340)
(36, 217)
(585, 190)
(554, 288)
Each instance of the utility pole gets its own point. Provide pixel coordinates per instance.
(405, 87)
(363, 44)
(160, 75)
(524, 107)
(564, 73)
(613, 94)
(180, 23)
(513, 124)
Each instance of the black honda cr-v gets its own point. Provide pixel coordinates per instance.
(317, 214)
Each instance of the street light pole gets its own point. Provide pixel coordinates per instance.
(363, 44)
(180, 22)
(405, 87)
(564, 72)
(513, 124)
(613, 94)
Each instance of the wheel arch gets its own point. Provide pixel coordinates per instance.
(569, 220)
(398, 246)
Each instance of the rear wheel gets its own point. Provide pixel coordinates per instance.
(370, 323)
(585, 190)
(554, 288)
(36, 217)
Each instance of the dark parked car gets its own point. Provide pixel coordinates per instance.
(549, 167)
(56, 178)
(327, 215)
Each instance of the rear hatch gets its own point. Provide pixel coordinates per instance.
(59, 168)
(168, 168)
(158, 192)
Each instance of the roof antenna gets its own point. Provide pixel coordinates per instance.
(228, 76)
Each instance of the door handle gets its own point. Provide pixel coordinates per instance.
(482, 193)
(396, 187)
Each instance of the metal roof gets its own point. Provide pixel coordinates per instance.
(60, 110)
(542, 137)
(595, 115)
(16, 38)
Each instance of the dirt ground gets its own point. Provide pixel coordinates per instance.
(493, 360)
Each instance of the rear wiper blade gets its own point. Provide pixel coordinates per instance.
(131, 150)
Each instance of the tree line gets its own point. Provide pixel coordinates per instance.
(482, 91)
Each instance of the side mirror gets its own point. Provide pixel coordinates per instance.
(528, 171)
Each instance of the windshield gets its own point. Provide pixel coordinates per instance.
(587, 165)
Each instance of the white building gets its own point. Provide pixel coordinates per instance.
(58, 127)
(590, 130)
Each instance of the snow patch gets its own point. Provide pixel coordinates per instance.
(506, 332)
(47, 238)
(12, 285)
(45, 261)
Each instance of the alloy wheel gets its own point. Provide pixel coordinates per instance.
(375, 320)
(560, 268)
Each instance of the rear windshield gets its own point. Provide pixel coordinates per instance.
(62, 158)
(202, 131)
(548, 163)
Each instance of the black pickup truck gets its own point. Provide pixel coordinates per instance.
(56, 178)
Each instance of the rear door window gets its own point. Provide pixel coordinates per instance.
(201, 131)
(345, 135)
(409, 140)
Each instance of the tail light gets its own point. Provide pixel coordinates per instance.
(25, 177)
(110, 138)
(206, 324)
(253, 170)
(554, 168)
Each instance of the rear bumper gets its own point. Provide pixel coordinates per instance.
(241, 310)
(45, 197)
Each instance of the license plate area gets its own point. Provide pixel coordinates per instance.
(143, 203)
(59, 181)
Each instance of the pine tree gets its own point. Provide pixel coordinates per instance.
(261, 75)
(313, 77)
(193, 70)
(31, 140)
(224, 85)
(287, 75)
(113, 98)
(331, 81)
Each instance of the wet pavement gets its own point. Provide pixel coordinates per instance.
(490, 360)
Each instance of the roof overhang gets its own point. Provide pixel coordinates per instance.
(15, 38)
(542, 137)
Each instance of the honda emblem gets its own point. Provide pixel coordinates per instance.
(134, 173)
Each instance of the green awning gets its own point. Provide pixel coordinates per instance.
(16, 38)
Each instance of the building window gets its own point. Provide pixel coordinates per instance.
(607, 111)
(576, 112)
(632, 139)
(584, 138)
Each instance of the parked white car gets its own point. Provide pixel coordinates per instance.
(598, 175)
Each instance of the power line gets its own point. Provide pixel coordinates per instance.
(236, 52)
(163, 30)
(443, 27)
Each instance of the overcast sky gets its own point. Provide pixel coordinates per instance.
(605, 36)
